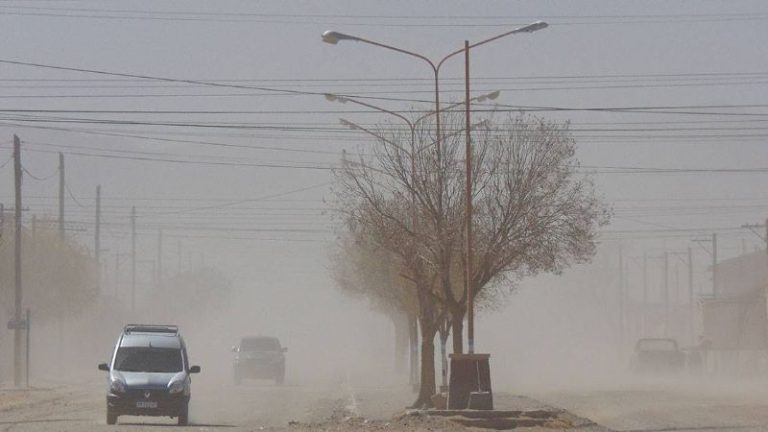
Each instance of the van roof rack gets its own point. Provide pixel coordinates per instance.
(151, 328)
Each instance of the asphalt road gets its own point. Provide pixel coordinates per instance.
(252, 406)
(671, 406)
(262, 405)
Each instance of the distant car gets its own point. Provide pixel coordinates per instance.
(657, 355)
(149, 374)
(259, 357)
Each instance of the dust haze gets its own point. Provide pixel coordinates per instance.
(244, 153)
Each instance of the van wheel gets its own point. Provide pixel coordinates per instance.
(111, 417)
(184, 415)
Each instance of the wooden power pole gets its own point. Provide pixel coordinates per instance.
(97, 230)
(61, 195)
(17, 317)
(133, 259)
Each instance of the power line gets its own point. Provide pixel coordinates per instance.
(206, 158)
(584, 168)
(155, 78)
(359, 20)
(451, 80)
(39, 178)
(190, 162)
(261, 198)
(10, 158)
(72, 195)
(431, 17)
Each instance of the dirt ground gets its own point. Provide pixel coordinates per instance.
(255, 406)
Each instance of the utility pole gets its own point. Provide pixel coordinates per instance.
(117, 274)
(97, 239)
(159, 256)
(714, 259)
(621, 297)
(61, 195)
(644, 317)
(691, 299)
(666, 293)
(17, 328)
(178, 246)
(133, 259)
(714, 265)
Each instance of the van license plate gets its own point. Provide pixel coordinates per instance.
(146, 404)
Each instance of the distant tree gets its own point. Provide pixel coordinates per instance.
(368, 272)
(59, 277)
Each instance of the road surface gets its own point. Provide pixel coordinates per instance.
(254, 405)
(677, 405)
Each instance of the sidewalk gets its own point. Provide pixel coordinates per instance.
(515, 412)
(511, 412)
(561, 418)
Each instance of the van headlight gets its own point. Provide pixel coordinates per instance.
(117, 386)
(176, 387)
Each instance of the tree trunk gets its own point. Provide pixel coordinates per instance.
(427, 386)
(457, 324)
(413, 336)
(445, 331)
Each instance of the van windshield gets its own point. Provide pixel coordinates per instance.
(144, 359)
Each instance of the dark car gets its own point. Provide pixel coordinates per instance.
(149, 374)
(259, 357)
(657, 355)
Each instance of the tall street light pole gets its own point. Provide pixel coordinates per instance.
(471, 373)
(469, 272)
(468, 269)
(333, 37)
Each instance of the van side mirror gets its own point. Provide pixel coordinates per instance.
(194, 369)
(104, 367)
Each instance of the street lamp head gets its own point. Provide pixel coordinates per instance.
(330, 97)
(530, 28)
(493, 95)
(333, 37)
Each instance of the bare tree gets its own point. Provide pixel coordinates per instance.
(534, 212)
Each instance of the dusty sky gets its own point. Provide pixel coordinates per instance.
(237, 177)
